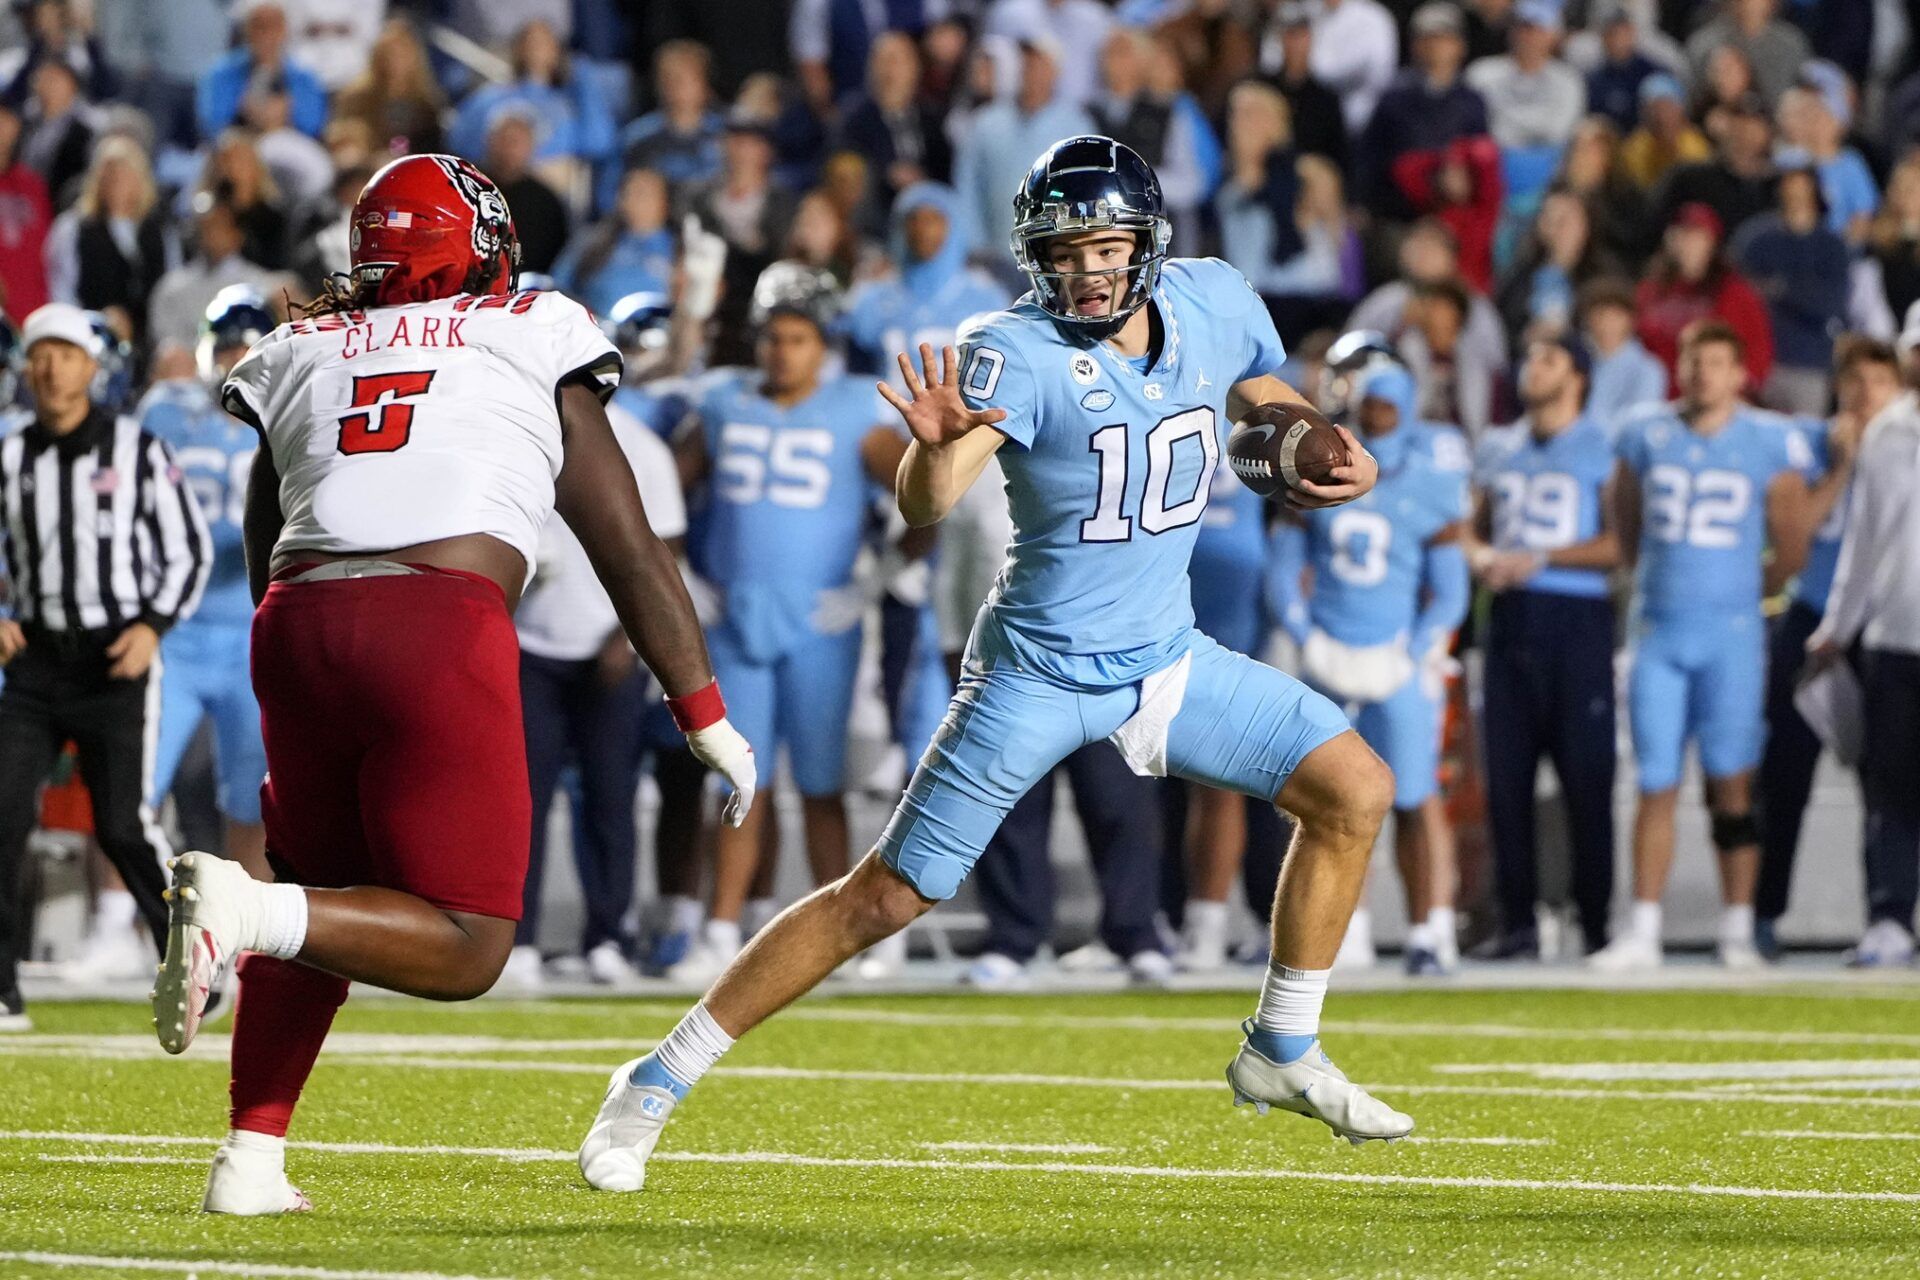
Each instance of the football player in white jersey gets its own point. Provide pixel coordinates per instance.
(418, 426)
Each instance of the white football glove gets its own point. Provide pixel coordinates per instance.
(703, 259)
(720, 747)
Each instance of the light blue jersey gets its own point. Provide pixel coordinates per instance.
(1815, 582)
(787, 504)
(1703, 502)
(929, 300)
(660, 406)
(1089, 633)
(204, 660)
(1109, 469)
(216, 452)
(1548, 494)
(1228, 559)
(1699, 650)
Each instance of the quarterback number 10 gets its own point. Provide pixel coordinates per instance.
(368, 433)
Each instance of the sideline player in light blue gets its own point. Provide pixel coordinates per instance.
(1389, 586)
(206, 656)
(786, 455)
(1105, 392)
(1703, 485)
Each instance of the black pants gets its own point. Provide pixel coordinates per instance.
(57, 691)
(571, 715)
(1549, 690)
(1117, 810)
(1786, 770)
(1890, 775)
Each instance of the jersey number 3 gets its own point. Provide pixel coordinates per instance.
(389, 429)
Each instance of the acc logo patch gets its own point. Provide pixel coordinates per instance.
(1097, 401)
(1085, 371)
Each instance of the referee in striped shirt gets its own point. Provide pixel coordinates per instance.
(105, 549)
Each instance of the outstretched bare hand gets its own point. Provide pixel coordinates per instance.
(936, 414)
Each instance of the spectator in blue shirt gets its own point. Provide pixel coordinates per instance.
(1005, 137)
(1800, 269)
(1814, 117)
(573, 122)
(263, 53)
(629, 251)
(1625, 373)
(681, 138)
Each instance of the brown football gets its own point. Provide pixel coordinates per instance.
(1279, 445)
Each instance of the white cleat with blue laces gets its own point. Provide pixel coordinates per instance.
(1312, 1086)
(614, 1156)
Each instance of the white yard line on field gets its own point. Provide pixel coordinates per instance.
(206, 1266)
(1026, 1148)
(1826, 1135)
(1752, 1069)
(1052, 1167)
(1478, 1142)
(112, 1159)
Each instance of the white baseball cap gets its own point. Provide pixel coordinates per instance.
(60, 320)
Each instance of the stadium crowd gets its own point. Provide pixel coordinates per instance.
(1534, 222)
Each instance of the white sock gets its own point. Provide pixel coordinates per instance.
(283, 920)
(258, 1146)
(722, 935)
(692, 1046)
(1440, 920)
(1206, 919)
(1736, 923)
(1290, 1001)
(758, 914)
(1420, 937)
(684, 914)
(114, 911)
(1644, 923)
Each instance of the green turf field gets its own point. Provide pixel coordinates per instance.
(1760, 1133)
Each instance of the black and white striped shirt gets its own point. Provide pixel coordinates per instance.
(100, 529)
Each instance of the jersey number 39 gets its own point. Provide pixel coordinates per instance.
(389, 429)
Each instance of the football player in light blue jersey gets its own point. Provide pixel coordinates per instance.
(1389, 587)
(1104, 392)
(786, 456)
(1542, 541)
(1866, 380)
(1702, 487)
(641, 325)
(207, 655)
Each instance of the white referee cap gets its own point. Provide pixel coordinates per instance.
(60, 320)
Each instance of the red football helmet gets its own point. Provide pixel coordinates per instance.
(431, 226)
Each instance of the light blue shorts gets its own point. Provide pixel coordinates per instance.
(204, 672)
(800, 700)
(1234, 723)
(1404, 730)
(1701, 678)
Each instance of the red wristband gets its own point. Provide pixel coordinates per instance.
(698, 709)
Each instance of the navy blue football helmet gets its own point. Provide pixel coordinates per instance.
(1352, 355)
(112, 387)
(794, 288)
(640, 324)
(1090, 183)
(238, 316)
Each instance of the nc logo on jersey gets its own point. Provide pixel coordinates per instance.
(1085, 371)
(1097, 401)
(1154, 391)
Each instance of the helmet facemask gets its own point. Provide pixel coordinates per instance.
(1132, 284)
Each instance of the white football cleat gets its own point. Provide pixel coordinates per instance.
(1150, 968)
(1203, 944)
(1885, 945)
(214, 915)
(1738, 952)
(992, 971)
(523, 970)
(251, 1183)
(884, 961)
(609, 966)
(614, 1156)
(115, 953)
(1094, 957)
(1356, 952)
(1312, 1086)
(1628, 953)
